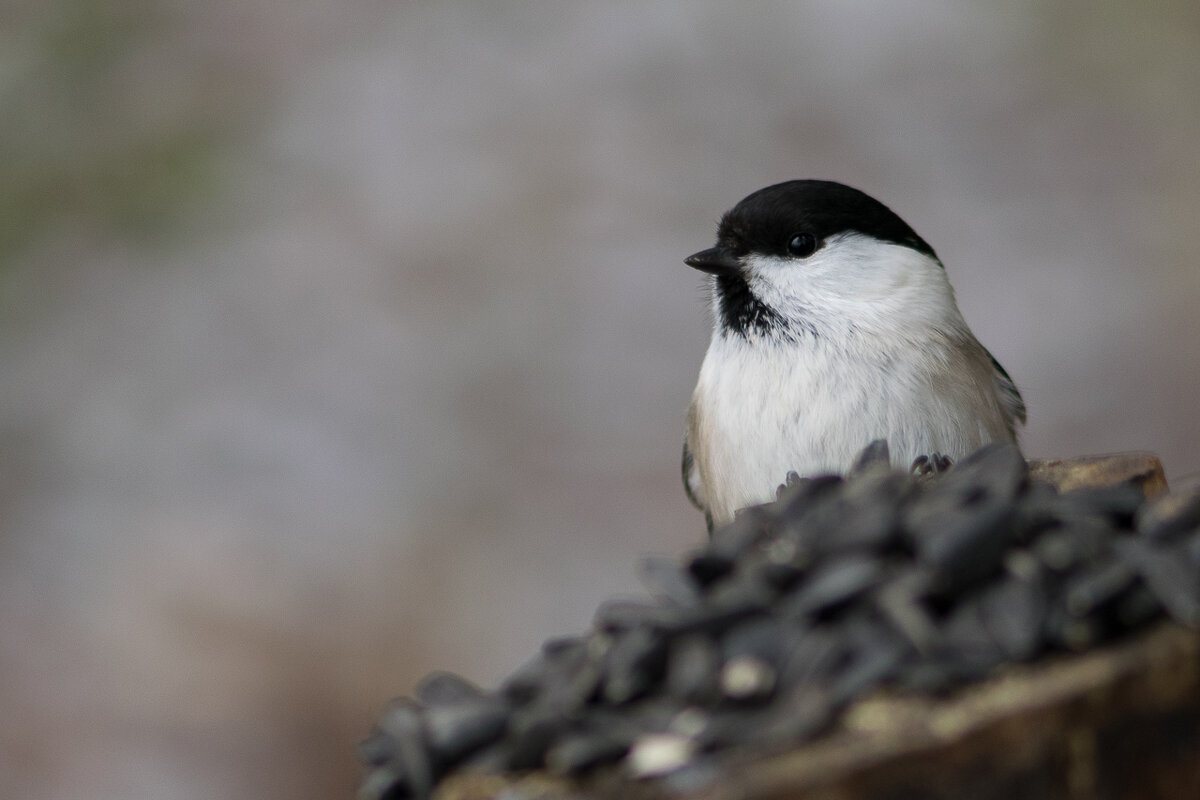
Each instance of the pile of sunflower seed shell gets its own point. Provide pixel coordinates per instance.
(919, 582)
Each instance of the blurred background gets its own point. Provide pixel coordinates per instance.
(345, 341)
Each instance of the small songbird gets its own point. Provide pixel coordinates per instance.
(834, 325)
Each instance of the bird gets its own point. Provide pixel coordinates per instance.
(834, 325)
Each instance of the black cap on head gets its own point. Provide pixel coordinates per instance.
(766, 221)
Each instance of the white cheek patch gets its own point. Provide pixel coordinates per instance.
(855, 277)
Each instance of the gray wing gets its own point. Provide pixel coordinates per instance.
(691, 478)
(692, 486)
(1009, 394)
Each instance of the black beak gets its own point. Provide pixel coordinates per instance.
(715, 260)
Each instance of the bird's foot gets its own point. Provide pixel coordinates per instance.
(932, 464)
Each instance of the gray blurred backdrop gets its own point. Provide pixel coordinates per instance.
(344, 341)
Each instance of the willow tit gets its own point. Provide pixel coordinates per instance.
(834, 325)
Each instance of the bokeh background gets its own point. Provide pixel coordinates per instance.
(345, 341)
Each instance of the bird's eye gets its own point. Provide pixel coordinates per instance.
(802, 245)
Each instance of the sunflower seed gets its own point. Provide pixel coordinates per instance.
(667, 581)
(1167, 575)
(832, 584)
(576, 752)
(692, 666)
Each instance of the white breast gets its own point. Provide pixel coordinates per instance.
(760, 412)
